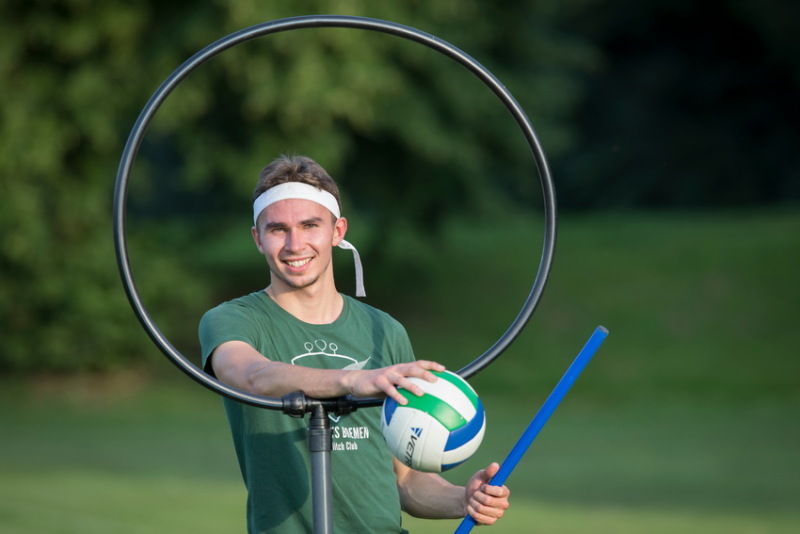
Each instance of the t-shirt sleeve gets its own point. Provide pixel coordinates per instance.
(226, 322)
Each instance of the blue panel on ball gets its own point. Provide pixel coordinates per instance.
(464, 434)
(389, 406)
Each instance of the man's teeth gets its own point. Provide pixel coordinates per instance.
(299, 263)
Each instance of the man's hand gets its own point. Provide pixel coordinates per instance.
(386, 380)
(486, 504)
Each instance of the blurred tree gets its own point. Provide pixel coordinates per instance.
(409, 135)
(694, 106)
(70, 81)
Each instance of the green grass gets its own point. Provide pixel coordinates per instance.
(160, 460)
(532, 516)
(79, 456)
(685, 421)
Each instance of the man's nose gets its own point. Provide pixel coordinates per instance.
(294, 241)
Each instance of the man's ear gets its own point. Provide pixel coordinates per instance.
(257, 238)
(339, 230)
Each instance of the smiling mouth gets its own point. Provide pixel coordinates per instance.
(298, 263)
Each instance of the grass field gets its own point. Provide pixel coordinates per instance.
(686, 421)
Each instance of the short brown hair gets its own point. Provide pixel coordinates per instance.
(296, 169)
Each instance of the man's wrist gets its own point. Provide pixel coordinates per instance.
(347, 382)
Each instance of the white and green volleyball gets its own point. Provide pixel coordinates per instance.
(438, 430)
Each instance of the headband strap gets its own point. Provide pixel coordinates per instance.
(302, 191)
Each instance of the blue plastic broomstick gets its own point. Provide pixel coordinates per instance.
(541, 417)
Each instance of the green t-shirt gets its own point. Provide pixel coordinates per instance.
(272, 448)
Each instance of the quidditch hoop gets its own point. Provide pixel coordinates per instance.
(318, 21)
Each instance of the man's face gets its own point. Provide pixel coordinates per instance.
(297, 236)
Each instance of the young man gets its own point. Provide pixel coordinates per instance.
(300, 333)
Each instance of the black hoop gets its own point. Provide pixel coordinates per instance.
(317, 21)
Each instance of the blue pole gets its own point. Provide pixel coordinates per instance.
(541, 417)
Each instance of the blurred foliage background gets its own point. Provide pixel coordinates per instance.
(639, 105)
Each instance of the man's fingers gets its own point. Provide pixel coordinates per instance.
(406, 384)
(421, 369)
(490, 471)
(428, 365)
(496, 491)
(486, 509)
(389, 379)
(484, 515)
(397, 396)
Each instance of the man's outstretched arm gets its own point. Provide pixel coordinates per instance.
(238, 364)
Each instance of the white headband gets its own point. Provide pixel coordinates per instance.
(299, 190)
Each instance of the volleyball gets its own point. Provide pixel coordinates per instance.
(439, 430)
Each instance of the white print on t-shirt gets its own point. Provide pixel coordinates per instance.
(322, 347)
(350, 433)
(319, 349)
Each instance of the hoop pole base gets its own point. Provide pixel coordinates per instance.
(320, 445)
